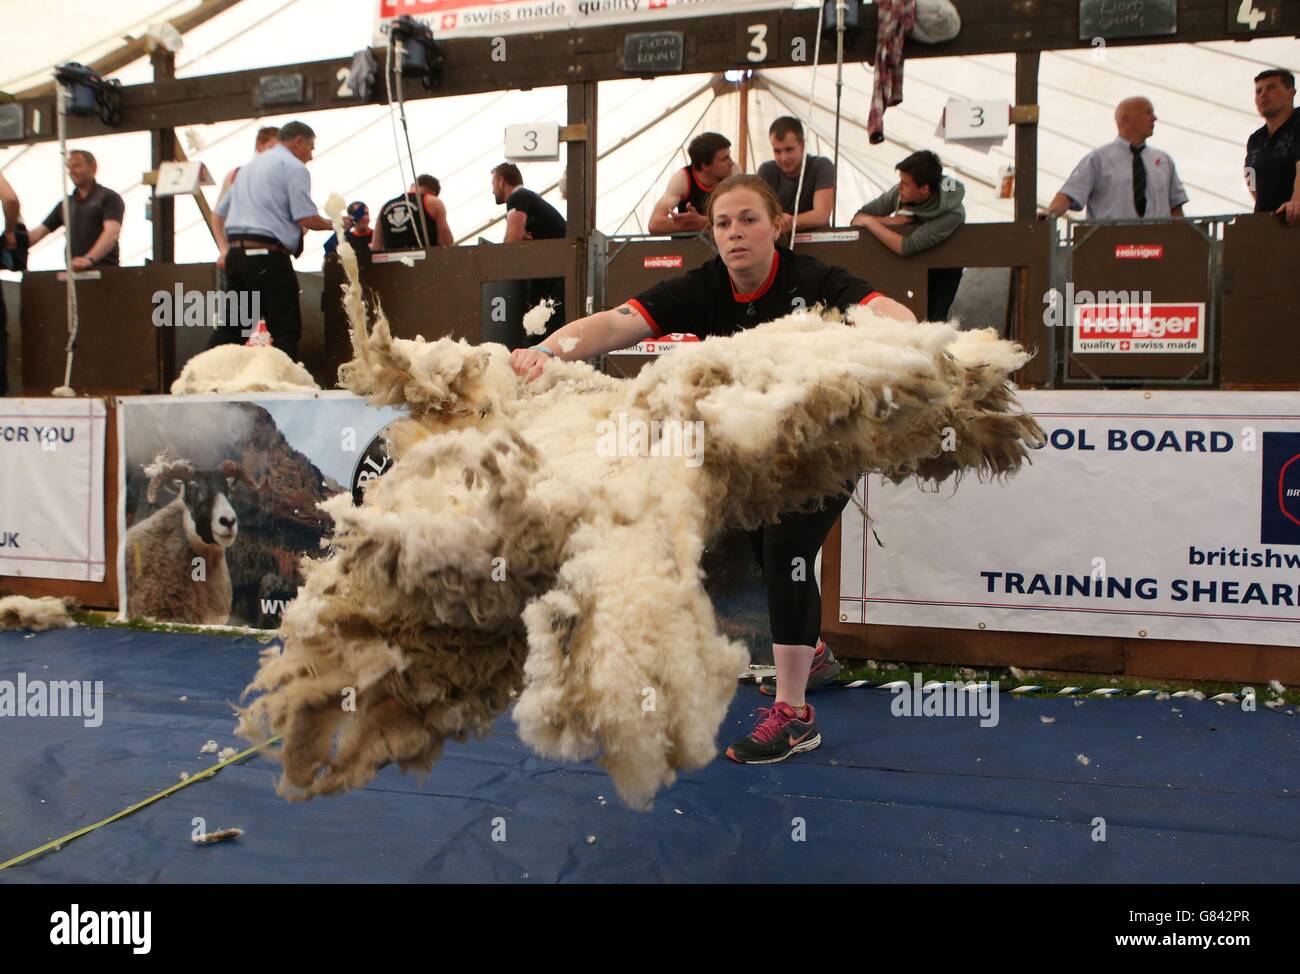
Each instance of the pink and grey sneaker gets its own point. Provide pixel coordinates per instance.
(780, 733)
(825, 667)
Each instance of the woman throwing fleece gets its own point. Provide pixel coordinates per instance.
(750, 282)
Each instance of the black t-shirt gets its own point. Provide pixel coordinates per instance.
(704, 302)
(543, 220)
(696, 194)
(398, 216)
(88, 218)
(1273, 161)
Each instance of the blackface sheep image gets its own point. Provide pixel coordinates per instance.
(176, 558)
(220, 505)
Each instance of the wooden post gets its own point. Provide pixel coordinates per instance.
(1026, 138)
(580, 183)
(163, 149)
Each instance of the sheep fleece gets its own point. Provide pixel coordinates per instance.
(504, 556)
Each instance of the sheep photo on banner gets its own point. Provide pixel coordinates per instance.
(218, 498)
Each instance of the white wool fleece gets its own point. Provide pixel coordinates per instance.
(506, 558)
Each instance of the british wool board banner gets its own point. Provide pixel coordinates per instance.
(1165, 515)
(52, 488)
(218, 495)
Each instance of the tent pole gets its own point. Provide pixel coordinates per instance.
(840, 6)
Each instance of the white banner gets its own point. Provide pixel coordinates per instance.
(52, 488)
(1165, 515)
(469, 18)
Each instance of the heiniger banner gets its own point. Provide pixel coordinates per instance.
(1170, 517)
(470, 18)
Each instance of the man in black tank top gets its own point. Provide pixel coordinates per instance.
(414, 220)
(681, 208)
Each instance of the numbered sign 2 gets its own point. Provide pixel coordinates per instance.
(977, 119)
(181, 178)
(536, 140)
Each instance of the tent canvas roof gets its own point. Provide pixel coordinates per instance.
(1202, 95)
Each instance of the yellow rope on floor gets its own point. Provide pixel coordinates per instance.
(58, 843)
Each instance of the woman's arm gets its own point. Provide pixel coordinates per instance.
(584, 338)
(889, 308)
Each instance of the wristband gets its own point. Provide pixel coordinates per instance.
(544, 349)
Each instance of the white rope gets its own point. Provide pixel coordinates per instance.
(393, 67)
(812, 93)
(401, 113)
(70, 278)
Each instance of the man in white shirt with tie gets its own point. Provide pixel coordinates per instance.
(1126, 179)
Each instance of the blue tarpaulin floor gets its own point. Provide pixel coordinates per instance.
(1189, 792)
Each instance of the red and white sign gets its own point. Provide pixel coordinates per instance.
(1139, 328)
(1139, 251)
(466, 18)
(667, 261)
(660, 345)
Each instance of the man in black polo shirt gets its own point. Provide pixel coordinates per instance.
(1273, 151)
(529, 217)
(96, 216)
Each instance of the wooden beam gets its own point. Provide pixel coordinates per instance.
(162, 143)
(713, 43)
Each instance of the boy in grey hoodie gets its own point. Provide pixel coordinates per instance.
(934, 204)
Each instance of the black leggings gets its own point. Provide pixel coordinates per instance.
(794, 605)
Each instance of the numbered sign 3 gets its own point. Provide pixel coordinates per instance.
(977, 119)
(535, 140)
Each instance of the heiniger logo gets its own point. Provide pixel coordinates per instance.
(1139, 251)
(666, 261)
(1139, 328)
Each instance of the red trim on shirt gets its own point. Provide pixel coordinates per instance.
(871, 297)
(696, 179)
(640, 309)
(755, 295)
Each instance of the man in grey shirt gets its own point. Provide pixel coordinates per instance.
(817, 200)
(1127, 179)
(263, 218)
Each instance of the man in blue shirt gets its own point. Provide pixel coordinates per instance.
(263, 218)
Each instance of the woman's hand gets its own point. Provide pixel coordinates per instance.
(528, 362)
